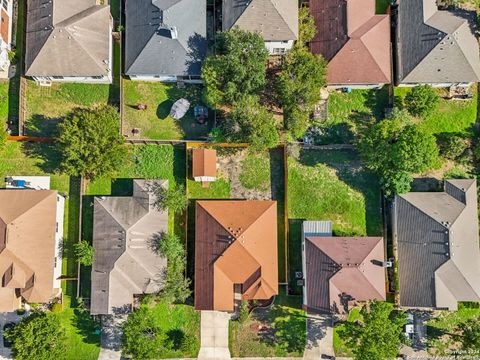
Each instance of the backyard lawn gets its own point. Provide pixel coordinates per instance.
(348, 113)
(47, 106)
(155, 122)
(330, 185)
(4, 84)
(279, 331)
(441, 328)
(451, 116)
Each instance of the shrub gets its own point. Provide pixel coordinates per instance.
(57, 307)
(244, 312)
(457, 173)
(173, 199)
(84, 252)
(451, 146)
(422, 100)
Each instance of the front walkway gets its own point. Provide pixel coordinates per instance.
(319, 336)
(111, 337)
(214, 336)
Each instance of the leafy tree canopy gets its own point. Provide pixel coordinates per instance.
(39, 336)
(90, 143)
(173, 198)
(394, 149)
(297, 121)
(303, 75)
(237, 68)
(143, 338)
(378, 335)
(84, 252)
(252, 123)
(470, 334)
(307, 29)
(422, 100)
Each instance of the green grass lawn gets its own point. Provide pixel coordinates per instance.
(284, 333)
(440, 328)
(255, 173)
(155, 122)
(348, 113)
(451, 116)
(339, 346)
(47, 106)
(330, 185)
(4, 98)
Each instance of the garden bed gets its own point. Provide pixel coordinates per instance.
(278, 331)
(330, 185)
(155, 122)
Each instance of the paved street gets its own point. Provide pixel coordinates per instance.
(319, 336)
(214, 335)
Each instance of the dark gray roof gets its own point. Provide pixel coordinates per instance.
(275, 20)
(435, 46)
(67, 38)
(124, 263)
(438, 246)
(150, 48)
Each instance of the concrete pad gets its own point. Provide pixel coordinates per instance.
(214, 335)
(319, 336)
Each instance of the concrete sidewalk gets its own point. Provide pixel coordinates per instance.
(214, 336)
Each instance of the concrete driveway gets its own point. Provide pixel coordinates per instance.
(111, 337)
(214, 335)
(319, 336)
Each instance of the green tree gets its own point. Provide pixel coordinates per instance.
(170, 246)
(302, 76)
(172, 199)
(252, 123)
(90, 143)
(296, 121)
(470, 334)
(422, 100)
(451, 146)
(237, 67)
(39, 336)
(306, 26)
(395, 148)
(84, 252)
(143, 338)
(378, 335)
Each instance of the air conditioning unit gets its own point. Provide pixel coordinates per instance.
(298, 275)
(387, 264)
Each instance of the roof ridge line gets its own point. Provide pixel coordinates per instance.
(50, 193)
(281, 16)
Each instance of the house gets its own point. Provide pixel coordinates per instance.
(436, 47)
(204, 165)
(165, 40)
(6, 12)
(68, 41)
(235, 253)
(355, 42)
(340, 272)
(125, 229)
(275, 20)
(438, 249)
(31, 229)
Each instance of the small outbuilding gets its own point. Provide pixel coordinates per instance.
(204, 165)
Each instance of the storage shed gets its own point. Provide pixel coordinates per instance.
(204, 165)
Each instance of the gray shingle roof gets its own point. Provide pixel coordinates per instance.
(275, 20)
(438, 246)
(67, 38)
(149, 46)
(124, 262)
(435, 46)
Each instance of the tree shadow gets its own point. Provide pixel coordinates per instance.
(42, 126)
(294, 254)
(49, 154)
(377, 100)
(197, 50)
(87, 326)
(176, 336)
(122, 187)
(13, 103)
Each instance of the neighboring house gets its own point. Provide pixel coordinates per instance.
(275, 20)
(436, 47)
(165, 40)
(340, 272)
(204, 165)
(6, 12)
(31, 231)
(235, 253)
(68, 41)
(125, 229)
(438, 249)
(355, 42)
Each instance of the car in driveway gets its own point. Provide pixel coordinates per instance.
(8, 326)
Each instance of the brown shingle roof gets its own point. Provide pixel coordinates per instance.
(341, 269)
(235, 243)
(354, 40)
(27, 235)
(204, 162)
